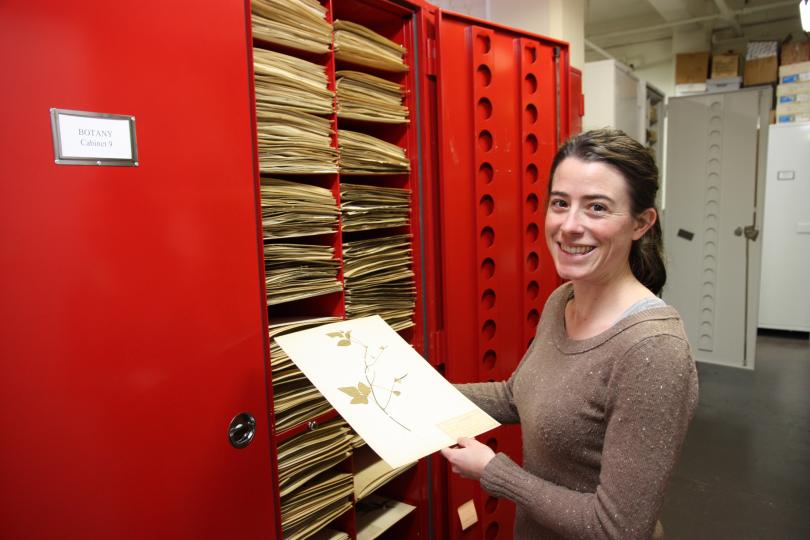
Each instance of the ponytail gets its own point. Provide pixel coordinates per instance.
(647, 260)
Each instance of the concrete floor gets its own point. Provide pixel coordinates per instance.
(744, 472)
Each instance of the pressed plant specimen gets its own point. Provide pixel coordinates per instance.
(380, 395)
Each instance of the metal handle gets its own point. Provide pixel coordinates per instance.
(241, 430)
(750, 232)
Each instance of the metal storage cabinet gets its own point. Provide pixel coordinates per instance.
(134, 317)
(784, 295)
(716, 146)
(132, 327)
(503, 109)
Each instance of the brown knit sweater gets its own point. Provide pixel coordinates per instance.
(603, 420)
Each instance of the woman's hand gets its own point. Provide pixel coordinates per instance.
(470, 457)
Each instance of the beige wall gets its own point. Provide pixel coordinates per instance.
(558, 19)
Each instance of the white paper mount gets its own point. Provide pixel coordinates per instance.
(391, 396)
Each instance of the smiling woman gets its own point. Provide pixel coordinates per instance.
(605, 393)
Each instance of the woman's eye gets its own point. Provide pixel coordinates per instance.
(558, 203)
(599, 208)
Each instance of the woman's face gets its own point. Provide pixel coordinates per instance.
(589, 224)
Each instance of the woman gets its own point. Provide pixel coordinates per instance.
(605, 393)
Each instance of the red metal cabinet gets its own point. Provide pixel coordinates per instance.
(131, 315)
(134, 322)
(577, 100)
(501, 111)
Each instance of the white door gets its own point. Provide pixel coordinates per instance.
(714, 151)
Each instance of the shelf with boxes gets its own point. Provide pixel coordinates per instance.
(334, 93)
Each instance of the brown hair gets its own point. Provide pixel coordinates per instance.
(635, 163)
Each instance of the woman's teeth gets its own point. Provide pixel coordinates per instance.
(576, 250)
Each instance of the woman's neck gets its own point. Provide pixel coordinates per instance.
(596, 306)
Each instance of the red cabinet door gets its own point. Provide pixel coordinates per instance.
(131, 319)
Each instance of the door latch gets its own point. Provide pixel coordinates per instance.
(749, 231)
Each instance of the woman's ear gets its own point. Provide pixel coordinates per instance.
(644, 221)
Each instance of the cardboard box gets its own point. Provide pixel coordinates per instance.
(725, 84)
(792, 118)
(793, 88)
(689, 89)
(798, 107)
(795, 52)
(691, 68)
(760, 71)
(725, 65)
(761, 49)
(793, 98)
(794, 73)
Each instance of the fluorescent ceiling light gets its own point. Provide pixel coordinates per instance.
(804, 11)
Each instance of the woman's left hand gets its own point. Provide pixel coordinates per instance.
(470, 457)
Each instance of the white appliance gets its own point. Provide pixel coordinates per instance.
(785, 287)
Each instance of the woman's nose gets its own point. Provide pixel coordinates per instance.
(572, 223)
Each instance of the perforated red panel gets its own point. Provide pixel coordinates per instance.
(498, 129)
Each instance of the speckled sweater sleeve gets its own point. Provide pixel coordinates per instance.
(652, 394)
(495, 398)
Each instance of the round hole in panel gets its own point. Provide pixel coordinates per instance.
(487, 205)
(489, 359)
(715, 106)
(710, 235)
(531, 173)
(715, 122)
(532, 232)
(709, 274)
(491, 505)
(483, 75)
(710, 249)
(706, 313)
(713, 193)
(529, 55)
(706, 328)
(713, 166)
(712, 207)
(484, 109)
(532, 261)
(533, 317)
(709, 261)
(705, 343)
(531, 143)
(532, 203)
(530, 116)
(707, 302)
(488, 330)
(487, 268)
(532, 290)
(485, 173)
(707, 289)
(487, 237)
(711, 221)
(530, 83)
(485, 141)
(492, 442)
(482, 44)
(492, 531)
(488, 299)
(714, 151)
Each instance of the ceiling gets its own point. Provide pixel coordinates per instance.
(729, 23)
